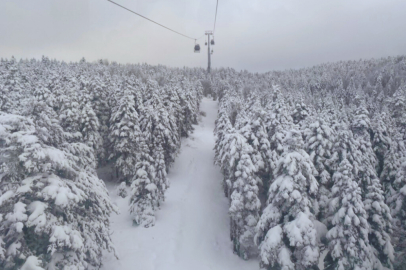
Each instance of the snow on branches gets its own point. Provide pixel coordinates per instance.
(58, 123)
(327, 147)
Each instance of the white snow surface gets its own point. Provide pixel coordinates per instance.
(192, 227)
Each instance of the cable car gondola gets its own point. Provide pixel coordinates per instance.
(212, 42)
(197, 48)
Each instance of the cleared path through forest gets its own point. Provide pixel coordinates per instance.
(192, 227)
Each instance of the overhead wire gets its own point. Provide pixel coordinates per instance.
(201, 37)
(154, 21)
(215, 17)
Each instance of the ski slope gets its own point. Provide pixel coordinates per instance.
(192, 227)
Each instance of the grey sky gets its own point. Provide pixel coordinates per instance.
(257, 35)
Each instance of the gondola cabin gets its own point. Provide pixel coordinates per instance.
(197, 48)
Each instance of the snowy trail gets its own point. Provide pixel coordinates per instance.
(192, 227)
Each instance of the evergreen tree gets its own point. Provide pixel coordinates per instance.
(300, 113)
(46, 123)
(285, 232)
(361, 129)
(245, 205)
(244, 125)
(222, 127)
(172, 97)
(380, 222)
(279, 123)
(263, 145)
(90, 129)
(229, 156)
(348, 245)
(161, 180)
(381, 140)
(156, 124)
(51, 206)
(189, 107)
(345, 147)
(391, 165)
(125, 135)
(319, 138)
(144, 198)
(42, 93)
(69, 117)
(397, 106)
(11, 90)
(396, 197)
(102, 107)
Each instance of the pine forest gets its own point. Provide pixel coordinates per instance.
(311, 161)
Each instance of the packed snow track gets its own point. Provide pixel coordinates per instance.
(192, 226)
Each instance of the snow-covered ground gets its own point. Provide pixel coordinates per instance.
(192, 227)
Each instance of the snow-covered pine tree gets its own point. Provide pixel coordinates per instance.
(222, 127)
(397, 106)
(224, 141)
(361, 128)
(121, 190)
(244, 203)
(394, 179)
(46, 122)
(161, 180)
(11, 91)
(258, 119)
(52, 208)
(42, 93)
(378, 214)
(345, 144)
(319, 141)
(300, 112)
(125, 135)
(391, 165)
(90, 129)
(171, 97)
(156, 125)
(69, 116)
(276, 144)
(280, 122)
(380, 222)
(165, 135)
(144, 198)
(189, 107)
(244, 126)
(102, 104)
(380, 140)
(171, 125)
(285, 232)
(348, 244)
(229, 156)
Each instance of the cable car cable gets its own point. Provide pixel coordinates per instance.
(201, 37)
(215, 17)
(152, 20)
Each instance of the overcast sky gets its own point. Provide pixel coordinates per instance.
(257, 35)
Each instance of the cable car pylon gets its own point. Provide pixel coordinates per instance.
(209, 33)
(197, 46)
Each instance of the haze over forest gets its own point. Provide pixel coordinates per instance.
(254, 35)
